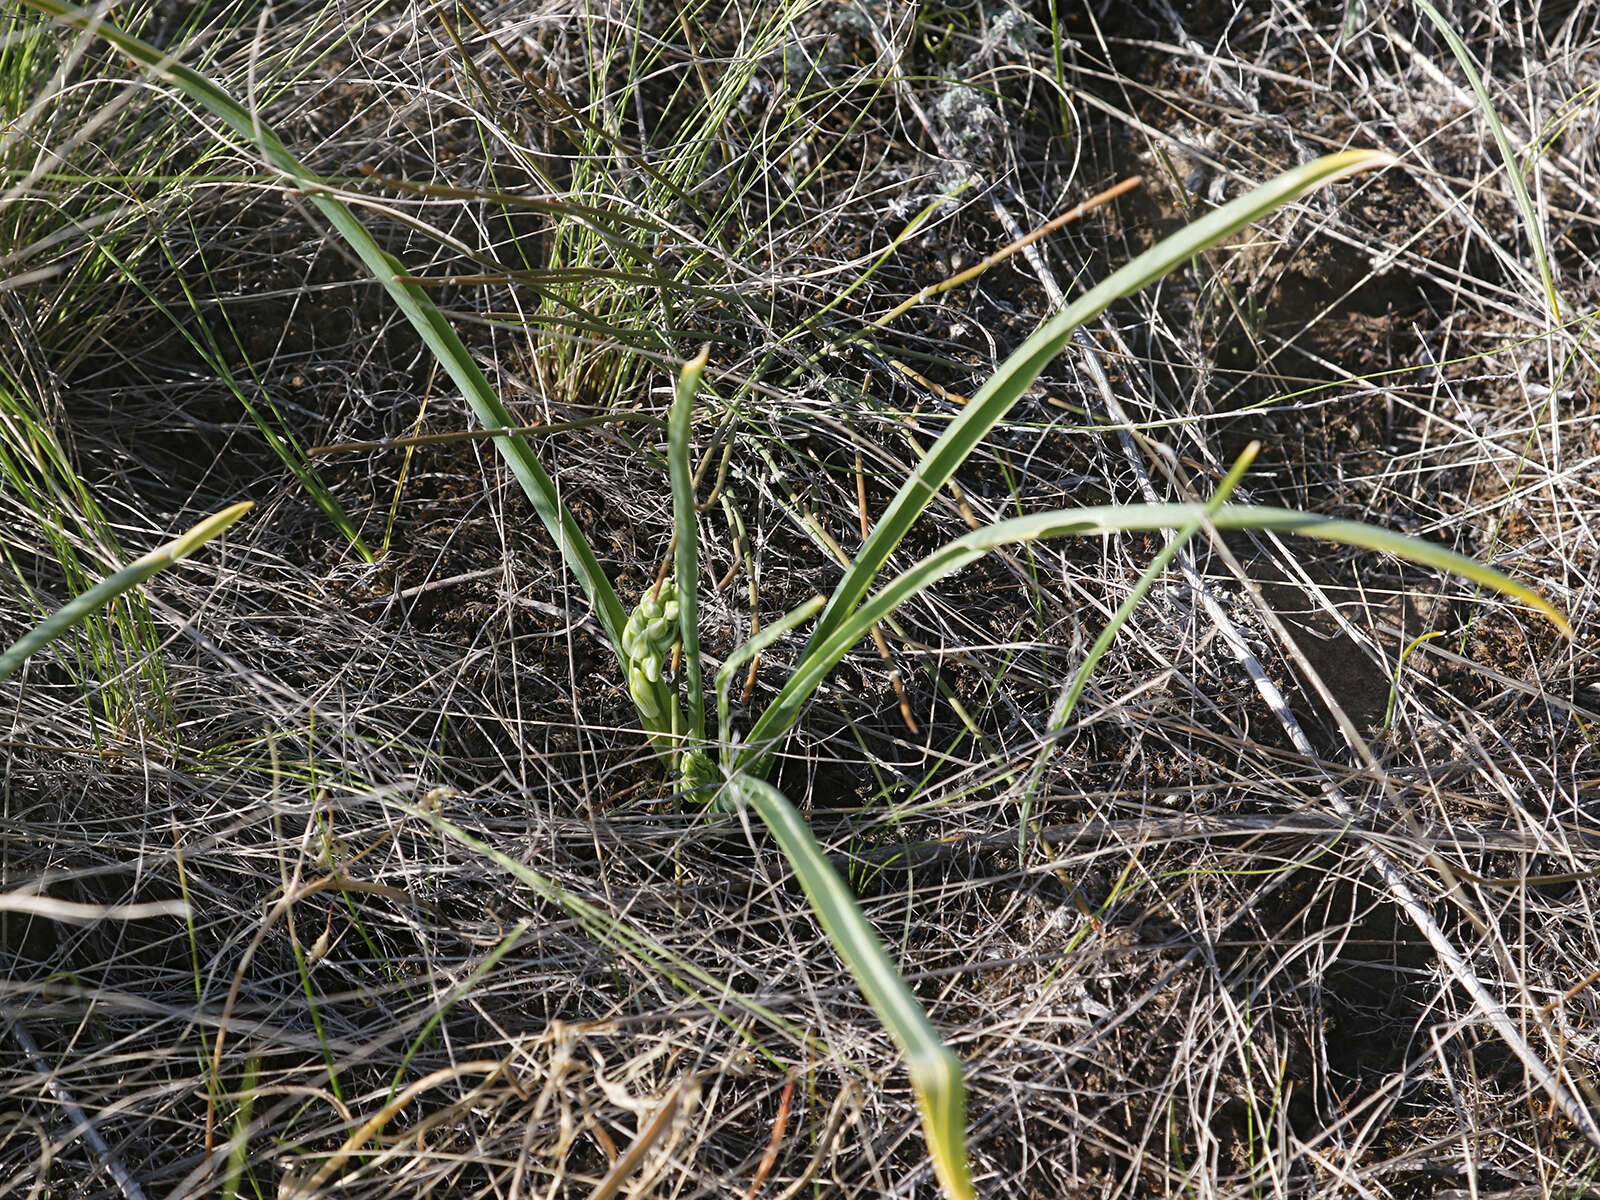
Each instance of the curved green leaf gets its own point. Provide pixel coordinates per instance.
(997, 396)
(936, 1076)
(753, 646)
(827, 652)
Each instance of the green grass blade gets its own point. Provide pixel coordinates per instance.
(997, 396)
(131, 576)
(1062, 711)
(936, 1076)
(753, 646)
(268, 421)
(1519, 186)
(458, 993)
(685, 521)
(785, 708)
(39, 480)
(428, 321)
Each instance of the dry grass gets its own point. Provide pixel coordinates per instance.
(1198, 981)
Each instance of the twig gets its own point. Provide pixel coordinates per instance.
(81, 1121)
(780, 1124)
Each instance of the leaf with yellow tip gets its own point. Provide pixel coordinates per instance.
(936, 1075)
(78, 610)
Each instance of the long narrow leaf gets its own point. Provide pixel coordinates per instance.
(428, 321)
(131, 576)
(753, 646)
(997, 396)
(1508, 156)
(825, 653)
(935, 1071)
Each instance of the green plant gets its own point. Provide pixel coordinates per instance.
(92, 168)
(76, 611)
(730, 770)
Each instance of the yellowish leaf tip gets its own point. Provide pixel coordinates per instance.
(1353, 162)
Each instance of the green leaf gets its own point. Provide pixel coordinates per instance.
(826, 652)
(936, 1076)
(753, 646)
(685, 521)
(131, 576)
(997, 396)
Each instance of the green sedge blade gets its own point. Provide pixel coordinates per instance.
(1062, 711)
(619, 934)
(1069, 699)
(1508, 156)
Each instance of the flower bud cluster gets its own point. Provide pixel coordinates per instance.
(647, 640)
